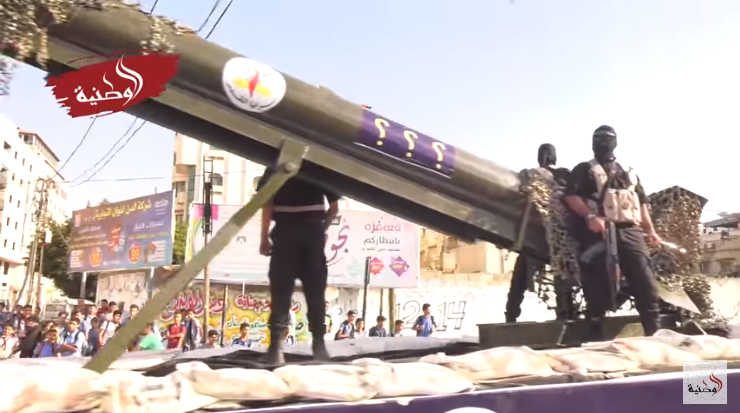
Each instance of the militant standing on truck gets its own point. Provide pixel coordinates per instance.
(603, 193)
(296, 250)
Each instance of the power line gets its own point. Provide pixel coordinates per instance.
(210, 14)
(213, 9)
(223, 13)
(85, 172)
(79, 144)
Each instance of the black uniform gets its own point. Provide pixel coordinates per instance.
(634, 261)
(298, 240)
(524, 267)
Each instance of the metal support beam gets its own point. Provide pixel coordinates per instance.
(288, 165)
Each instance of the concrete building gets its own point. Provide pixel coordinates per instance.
(234, 178)
(447, 254)
(24, 159)
(721, 245)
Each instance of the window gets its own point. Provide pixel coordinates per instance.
(7, 221)
(5, 243)
(7, 147)
(10, 199)
(28, 139)
(21, 182)
(30, 168)
(23, 163)
(12, 178)
(16, 224)
(14, 246)
(174, 158)
(18, 204)
(727, 265)
(15, 155)
(217, 180)
(6, 268)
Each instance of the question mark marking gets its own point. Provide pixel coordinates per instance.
(381, 124)
(410, 138)
(439, 147)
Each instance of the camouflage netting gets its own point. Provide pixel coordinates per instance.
(24, 25)
(676, 215)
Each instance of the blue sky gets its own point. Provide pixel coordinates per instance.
(491, 77)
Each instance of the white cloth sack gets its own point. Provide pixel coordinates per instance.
(575, 360)
(707, 347)
(131, 392)
(344, 383)
(495, 363)
(414, 379)
(652, 354)
(44, 388)
(234, 383)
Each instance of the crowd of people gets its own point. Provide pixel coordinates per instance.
(88, 328)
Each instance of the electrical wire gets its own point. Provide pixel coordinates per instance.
(112, 148)
(210, 14)
(223, 13)
(213, 10)
(114, 153)
(74, 151)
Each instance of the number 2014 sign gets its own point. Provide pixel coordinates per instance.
(400, 142)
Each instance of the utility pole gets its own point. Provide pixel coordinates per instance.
(47, 186)
(207, 228)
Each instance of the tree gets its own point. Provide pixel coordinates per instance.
(104, 201)
(180, 244)
(56, 263)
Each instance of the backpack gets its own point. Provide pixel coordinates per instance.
(85, 350)
(420, 321)
(344, 324)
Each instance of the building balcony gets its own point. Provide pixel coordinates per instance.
(181, 198)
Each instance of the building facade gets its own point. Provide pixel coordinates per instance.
(447, 254)
(234, 178)
(24, 160)
(720, 244)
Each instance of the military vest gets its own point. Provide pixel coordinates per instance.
(618, 205)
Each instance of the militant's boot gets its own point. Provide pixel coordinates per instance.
(650, 323)
(275, 356)
(596, 329)
(318, 346)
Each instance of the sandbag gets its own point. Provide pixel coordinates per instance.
(651, 353)
(496, 363)
(414, 379)
(583, 361)
(234, 383)
(131, 392)
(347, 383)
(707, 347)
(48, 389)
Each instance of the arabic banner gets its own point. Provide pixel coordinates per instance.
(131, 234)
(250, 305)
(390, 242)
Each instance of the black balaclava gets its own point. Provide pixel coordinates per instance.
(604, 142)
(546, 155)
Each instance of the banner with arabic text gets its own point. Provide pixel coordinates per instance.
(131, 234)
(391, 243)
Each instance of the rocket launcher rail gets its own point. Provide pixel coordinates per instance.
(438, 185)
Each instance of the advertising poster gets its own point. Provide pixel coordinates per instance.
(391, 243)
(251, 305)
(131, 234)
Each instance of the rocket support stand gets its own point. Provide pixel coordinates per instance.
(288, 165)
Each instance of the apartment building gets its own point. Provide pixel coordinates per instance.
(720, 241)
(447, 254)
(24, 159)
(234, 179)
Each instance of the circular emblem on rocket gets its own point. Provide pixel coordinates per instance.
(252, 86)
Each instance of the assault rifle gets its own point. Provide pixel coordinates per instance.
(676, 297)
